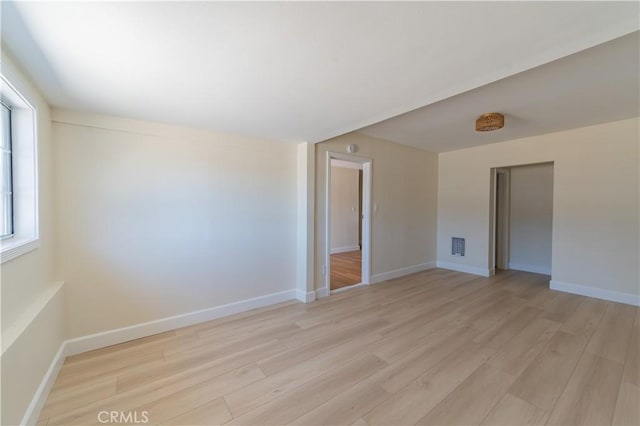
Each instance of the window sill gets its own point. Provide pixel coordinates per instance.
(14, 248)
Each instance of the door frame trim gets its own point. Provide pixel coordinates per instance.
(367, 175)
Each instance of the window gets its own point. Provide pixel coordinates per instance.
(19, 173)
(7, 178)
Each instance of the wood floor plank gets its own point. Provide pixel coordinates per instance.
(277, 314)
(196, 396)
(133, 347)
(590, 395)
(212, 413)
(164, 400)
(60, 399)
(561, 307)
(542, 382)
(519, 352)
(277, 384)
(283, 360)
(514, 411)
(611, 338)
(331, 329)
(219, 347)
(414, 401)
(396, 345)
(523, 286)
(88, 374)
(461, 302)
(539, 296)
(503, 331)
(631, 373)
(346, 407)
(472, 400)
(368, 308)
(495, 313)
(417, 362)
(585, 318)
(627, 410)
(436, 347)
(273, 327)
(312, 394)
(147, 375)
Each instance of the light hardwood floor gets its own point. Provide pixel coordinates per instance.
(438, 347)
(346, 269)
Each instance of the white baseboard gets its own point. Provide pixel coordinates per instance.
(344, 249)
(397, 273)
(322, 292)
(40, 397)
(137, 331)
(536, 269)
(464, 268)
(347, 288)
(305, 297)
(598, 293)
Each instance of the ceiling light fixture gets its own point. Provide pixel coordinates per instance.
(490, 121)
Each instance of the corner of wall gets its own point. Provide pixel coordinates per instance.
(305, 219)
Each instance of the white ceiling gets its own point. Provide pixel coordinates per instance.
(597, 85)
(290, 71)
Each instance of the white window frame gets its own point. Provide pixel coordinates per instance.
(24, 160)
(8, 174)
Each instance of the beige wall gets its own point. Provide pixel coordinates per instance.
(531, 218)
(404, 189)
(158, 220)
(595, 202)
(32, 303)
(344, 209)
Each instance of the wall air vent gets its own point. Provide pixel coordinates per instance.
(457, 246)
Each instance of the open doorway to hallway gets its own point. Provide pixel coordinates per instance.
(523, 218)
(346, 224)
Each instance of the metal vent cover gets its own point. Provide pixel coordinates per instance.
(457, 246)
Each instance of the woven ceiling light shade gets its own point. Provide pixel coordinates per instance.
(489, 122)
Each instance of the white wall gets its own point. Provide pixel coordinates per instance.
(595, 203)
(157, 220)
(531, 218)
(32, 303)
(344, 209)
(306, 213)
(404, 188)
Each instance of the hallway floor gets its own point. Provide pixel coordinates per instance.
(346, 269)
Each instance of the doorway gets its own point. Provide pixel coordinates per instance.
(347, 221)
(522, 218)
(346, 214)
(502, 219)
